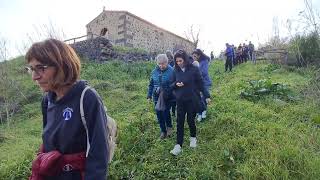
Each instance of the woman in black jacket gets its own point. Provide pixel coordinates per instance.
(187, 83)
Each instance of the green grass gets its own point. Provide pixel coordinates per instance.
(240, 139)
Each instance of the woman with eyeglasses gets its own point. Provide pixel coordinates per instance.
(55, 67)
(187, 82)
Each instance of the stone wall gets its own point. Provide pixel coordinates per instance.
(100, 49)
(129, 30)
(109, 20)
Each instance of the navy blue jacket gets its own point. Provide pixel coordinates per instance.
(229, 52)
(63, 130)
(204, 66)
(165, 77)
(193, 83)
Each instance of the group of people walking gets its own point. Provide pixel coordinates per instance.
(237, 55)
(75, 139)
(180, 82)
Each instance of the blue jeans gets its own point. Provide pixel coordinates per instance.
(164, 118)
(203, 99)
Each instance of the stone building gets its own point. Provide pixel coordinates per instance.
(125, 29)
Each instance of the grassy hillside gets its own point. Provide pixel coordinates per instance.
(269, 138)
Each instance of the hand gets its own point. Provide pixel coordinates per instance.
(149, 99)
(179, 84)
(208, 100)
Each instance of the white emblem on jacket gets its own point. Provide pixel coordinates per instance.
(67, 113)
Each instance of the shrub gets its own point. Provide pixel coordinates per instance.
(261, 88)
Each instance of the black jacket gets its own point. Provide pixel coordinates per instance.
(63, 130)
(193, 83)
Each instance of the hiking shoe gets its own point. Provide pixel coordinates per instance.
(199, 117)
(193, 142)
(204, 114)
(163, 135)
(169, 131)
(176, 150)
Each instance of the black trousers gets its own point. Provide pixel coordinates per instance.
(228, 63)
(185, 108)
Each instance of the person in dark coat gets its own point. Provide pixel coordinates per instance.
(203, 60)
(229, 55)
(160, 81)
(55, 67)
(170, 58)
(251, 50)
(186, 83)
(211, 55)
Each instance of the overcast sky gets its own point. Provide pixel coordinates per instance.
(219, 21)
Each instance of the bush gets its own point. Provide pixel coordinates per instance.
(306, 49)
(258, 89)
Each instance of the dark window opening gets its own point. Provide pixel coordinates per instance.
(103, 31)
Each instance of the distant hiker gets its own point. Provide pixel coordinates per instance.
(173, 100)
(239, 54)
(203, 60)
(64, 154)
(187, 81)
(245, 52)
(160, 91)
(229, 54)
(233, 55)
(170, 58)
(251, 50)
(211, 55)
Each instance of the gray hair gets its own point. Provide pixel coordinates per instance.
(162, 58)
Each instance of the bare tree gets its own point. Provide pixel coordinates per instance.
(193, 36)
(39, 33)
(3, 49)
(299, 29)
(310, 17)
(10, 90)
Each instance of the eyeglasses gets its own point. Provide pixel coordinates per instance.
(39, 69)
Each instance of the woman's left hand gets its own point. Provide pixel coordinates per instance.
(208, 100)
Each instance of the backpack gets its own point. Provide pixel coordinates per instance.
(111, 127)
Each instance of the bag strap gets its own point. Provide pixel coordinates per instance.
(83, 119)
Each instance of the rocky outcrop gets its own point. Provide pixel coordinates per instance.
(92, 49)
(100, 49)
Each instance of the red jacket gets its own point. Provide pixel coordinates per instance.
(53, 162)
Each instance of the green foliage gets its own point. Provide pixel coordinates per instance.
(16, 88)
(126, 50)
(116, 71)
(258, 89)
(271, 67)
(306, 49)
(240, 139)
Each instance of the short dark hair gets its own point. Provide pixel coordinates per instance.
(56, 53)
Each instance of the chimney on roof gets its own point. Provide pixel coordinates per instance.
(104, 8)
